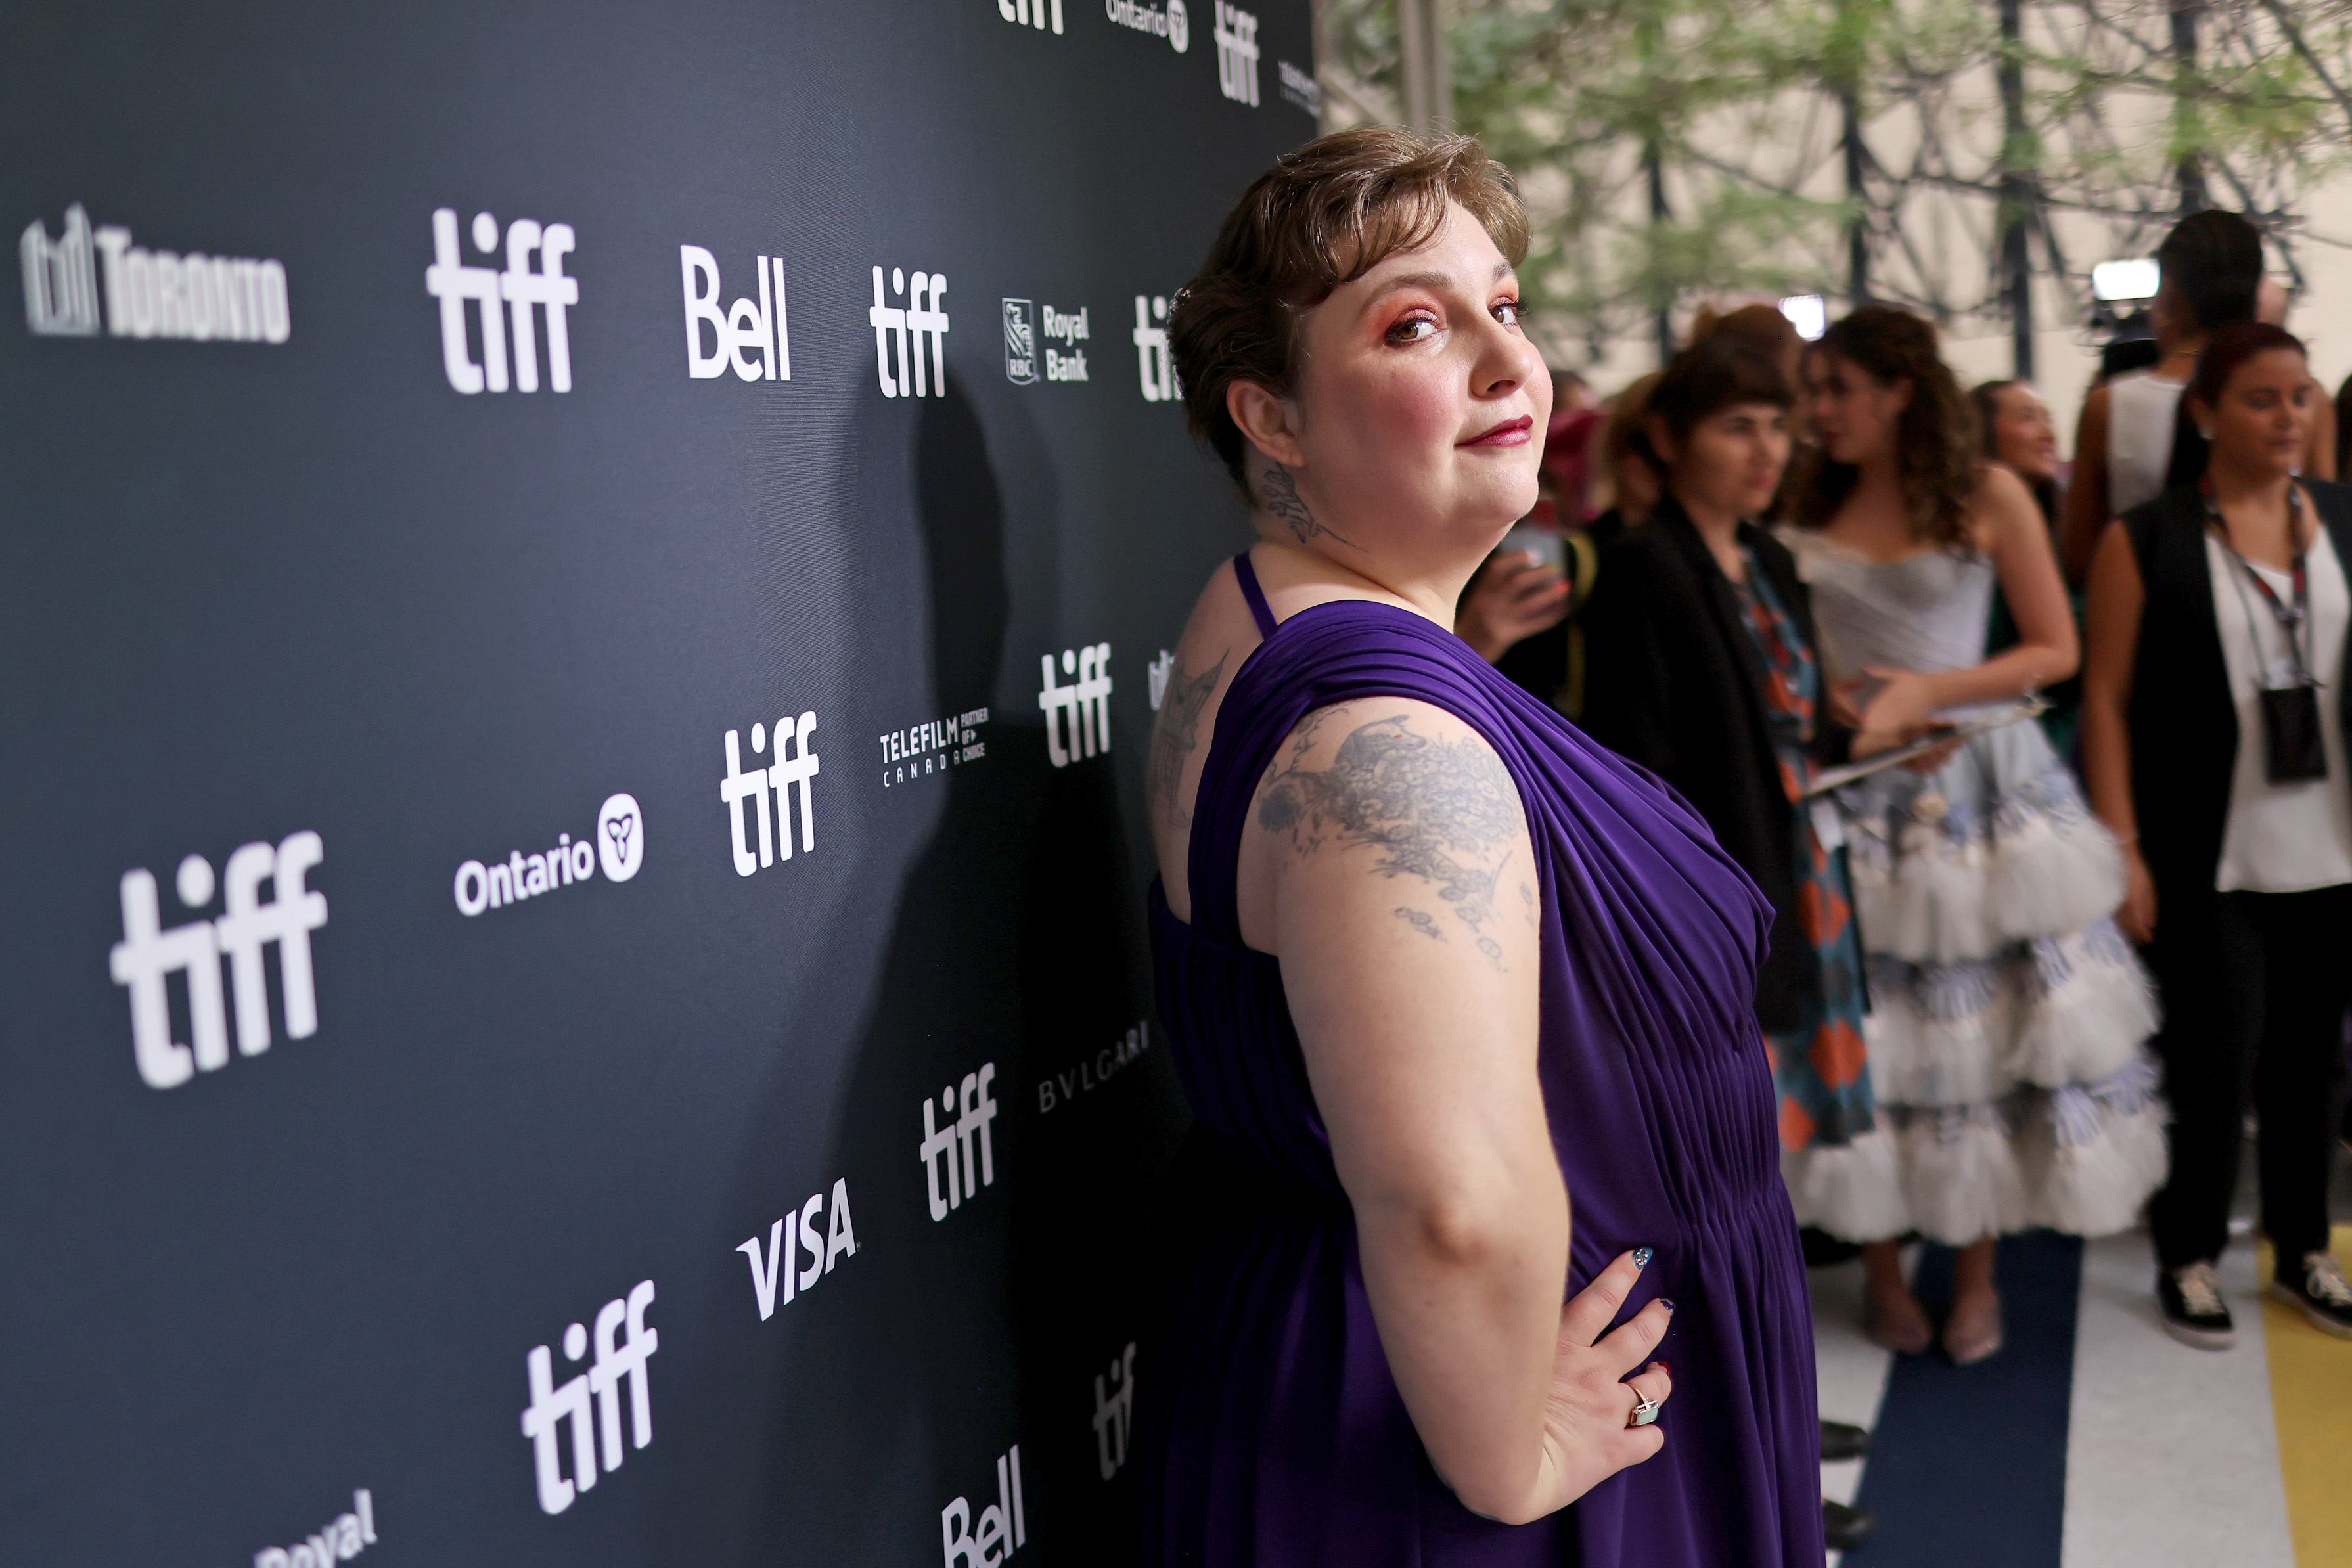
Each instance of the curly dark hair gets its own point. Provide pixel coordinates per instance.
(1323, 215)
(1936, 440)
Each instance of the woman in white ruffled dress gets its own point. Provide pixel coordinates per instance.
(2006, 1043)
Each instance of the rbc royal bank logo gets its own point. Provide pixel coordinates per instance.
(911, 323)
(1077, 716)
(148, 954)
(1236, 35)
(1023, 354)
(149, 293)
(520, 289)
(749, 335)
(623, 1344)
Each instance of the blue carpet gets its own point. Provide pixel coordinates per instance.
(1968, 1467)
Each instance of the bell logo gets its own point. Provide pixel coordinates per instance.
(756, 326)
(1000, 1529)
(547, 289)
(148, 954)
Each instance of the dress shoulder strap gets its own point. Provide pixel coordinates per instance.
(1246, 575)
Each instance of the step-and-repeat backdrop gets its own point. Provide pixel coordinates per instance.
(582, 594)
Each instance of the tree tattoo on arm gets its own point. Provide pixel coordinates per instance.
(1435, 810)
(1175, 733)
(1282, 498)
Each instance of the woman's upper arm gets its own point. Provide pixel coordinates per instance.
(1393, 862)
(2085, 510)
(2112, 611)
(2019, 542)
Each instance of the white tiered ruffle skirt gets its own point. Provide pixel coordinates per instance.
(2007, 1037)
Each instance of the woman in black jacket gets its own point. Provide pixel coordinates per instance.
(1702, 667)
(2215, 704)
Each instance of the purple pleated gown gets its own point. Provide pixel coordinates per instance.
(1272, 1432)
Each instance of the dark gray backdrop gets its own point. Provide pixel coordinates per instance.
(249, 590)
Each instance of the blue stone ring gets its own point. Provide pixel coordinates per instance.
(1643, 1412)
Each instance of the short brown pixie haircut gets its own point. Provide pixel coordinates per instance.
(1323, 215)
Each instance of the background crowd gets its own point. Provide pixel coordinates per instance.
(2036, 966)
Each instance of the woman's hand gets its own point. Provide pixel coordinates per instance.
(2137, 913)
(1513, 597)
(1904, 700)
(1586, 1439)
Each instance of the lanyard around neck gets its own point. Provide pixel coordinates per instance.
(2292, 618)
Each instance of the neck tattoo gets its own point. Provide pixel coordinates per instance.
(1283, 499)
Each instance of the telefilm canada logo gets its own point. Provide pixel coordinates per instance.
(1154, 369)
(920, 750)
(751, 335)
(906, 327)
(624, 1343)
(742, 789)
(1170, 21)
(524, 292)
(1236, 37)
(1023, 352)
(249, 925)
(617, 849)
(1077, 715)
(190, 295)
(1031, 13)
(822, 1233)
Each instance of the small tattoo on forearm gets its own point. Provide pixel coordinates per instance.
(1283, 499)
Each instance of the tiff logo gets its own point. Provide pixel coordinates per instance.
(740, 788)
(1236, 37)
(149, 293)
(1081, 710)
(1030, 13)
(915, 321)
(148, 954)
(452, 283)
(1002, 1529)
(758, 327)
(973, 1106)
(1152, 365)
(1115, 1412)
(552, 1406)
(805, 1229)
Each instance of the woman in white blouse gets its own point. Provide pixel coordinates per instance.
(2215, 699)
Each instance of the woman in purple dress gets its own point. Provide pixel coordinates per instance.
(1463, 1003)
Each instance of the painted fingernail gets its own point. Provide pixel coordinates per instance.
(1662, 1366)
(1641, 1256)
(1667, 1303)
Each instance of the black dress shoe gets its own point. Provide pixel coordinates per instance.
(1840, 1441)
(1845, 1528)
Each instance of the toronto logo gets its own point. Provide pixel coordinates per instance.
(149, 293)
